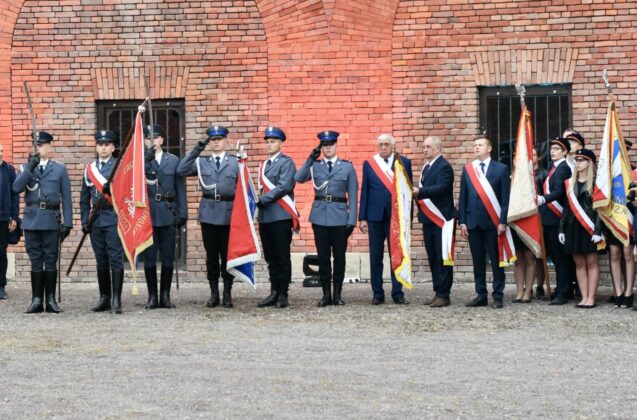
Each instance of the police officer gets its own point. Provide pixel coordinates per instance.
(217, 172)
(277, 216)
(334, 211)
(105, 241)
(47, 188)
(167, 199)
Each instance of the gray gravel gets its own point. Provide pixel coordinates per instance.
(356, 361)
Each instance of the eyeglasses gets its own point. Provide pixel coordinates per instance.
(556, 148)
(578, 160)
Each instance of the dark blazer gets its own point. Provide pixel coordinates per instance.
(586, 201)
(556, 185)
(470, 208)
(9, 199)
(375, 202)
(89, 197)
(170, 184)
(438, 187)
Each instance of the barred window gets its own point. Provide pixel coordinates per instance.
(550, 107)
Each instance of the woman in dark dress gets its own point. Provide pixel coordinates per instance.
(581, 227)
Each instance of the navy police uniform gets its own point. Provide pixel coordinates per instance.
(218, 180)
(275, 223)
(168, 212)
(333, 214)
(48, 190)
(105, 240)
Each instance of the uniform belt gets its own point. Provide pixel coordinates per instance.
(216, 197)
(159, 197)
(45, 206)
(330, 198)
(106, 206)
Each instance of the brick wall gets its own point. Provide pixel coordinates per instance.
(359, 67)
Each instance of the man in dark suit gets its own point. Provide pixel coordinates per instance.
(375, 213)
(435, 195)
(477, 224)
(551, 205)
(9, 205)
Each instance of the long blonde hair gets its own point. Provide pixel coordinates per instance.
(590, 179)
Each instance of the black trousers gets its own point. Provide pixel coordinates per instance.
(442, 275)
(481, 243)
(215, 240)
(107, 247)
(4, 238)
(276, 238)
(164, 242)
(564, 265)
(331, 240)
(42, 248)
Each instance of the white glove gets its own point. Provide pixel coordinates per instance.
(597, 239)
(540, 200)
(562, 238)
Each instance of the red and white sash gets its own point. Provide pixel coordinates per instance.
(554, 206)
(448, 228)
(506, 249)
(286, 202)
(383, 171)
(93, 177)
(580, 214)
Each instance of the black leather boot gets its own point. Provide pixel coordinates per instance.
(227, 293)
(282, 301)
(50, 280)
(118, 281)
(104, 284)
(37, 293)
(327, 294)
(271, 299)
(338, 288)
(151, 283)
(213, 302)
(164, 287)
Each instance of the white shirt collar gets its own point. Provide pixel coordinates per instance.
(43, 163)
(558, 162)
(220, 156)
(158, 155)
(333, 160)
(430, 163)
(105, 161)
(273, 158)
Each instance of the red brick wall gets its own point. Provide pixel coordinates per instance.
(359, 67)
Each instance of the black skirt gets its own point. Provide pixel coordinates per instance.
(578, 240)
(612, 240)
(517, 242)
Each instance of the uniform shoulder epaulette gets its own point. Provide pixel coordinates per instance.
(345, 160)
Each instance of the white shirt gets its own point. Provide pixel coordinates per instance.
(486, 164)
(221, 156)
(390, 160)
(430, 163)
(333, 160)
(273, 158)
(158, 156)
(43, 163)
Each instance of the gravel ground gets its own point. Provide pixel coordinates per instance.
(355, 361)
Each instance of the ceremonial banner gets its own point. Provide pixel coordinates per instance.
(400, 225)
(130, 198)
(523, 215)
(243, 246)
(613, 178)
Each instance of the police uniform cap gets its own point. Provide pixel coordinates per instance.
(152, 131)
(106, 136)
(42, 137)
(328, 136)
(217, 131)
(274, 133)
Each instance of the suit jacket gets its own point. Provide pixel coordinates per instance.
(52, 187)
(471, 210)
(222, 181)
(9, 199)
(438, 187)
(375, 202)
(341, 182)
(281, 173)
(164, 181)
(556, 185)
(90, 195)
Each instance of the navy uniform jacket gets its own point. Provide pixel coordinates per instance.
(9, 199)
(52, 187)
(222, 182)
(89, 197)
(437, 185)
(281, 173)
(375, 204)
(164, 181)
(556, 186)
(470, 208)
(341, 182)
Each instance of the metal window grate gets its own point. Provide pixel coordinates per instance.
(550, 107)
(119, 116)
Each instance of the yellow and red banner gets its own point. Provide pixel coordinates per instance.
(523, 215)
(130, 198)
(613, 178)
(400, 225)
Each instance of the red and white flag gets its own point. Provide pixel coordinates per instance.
(400, 225)
(130, 198)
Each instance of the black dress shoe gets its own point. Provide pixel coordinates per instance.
(558, 300)
(628, 301)
(478, 301)
(401, 301)
(619, 301)
(282, 301)
(325, 301)
(497, 304)
(3, 293)
(589, 306)
(269, 301)
(377, 301)
(539, 293)
(337, 301)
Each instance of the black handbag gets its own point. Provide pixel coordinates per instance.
(14, 237)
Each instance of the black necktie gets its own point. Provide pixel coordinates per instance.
(482, 166)
(329, 166)
(426, 168)
(41, 169)
(218, 162)
(268, 163)
(102, 164)
(386, 161)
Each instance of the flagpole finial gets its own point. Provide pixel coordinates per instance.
(609, 89)
(521, 92)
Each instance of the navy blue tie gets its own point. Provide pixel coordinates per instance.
(329, 166)
(482, 166)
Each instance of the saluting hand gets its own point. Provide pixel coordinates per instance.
(316, 153)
